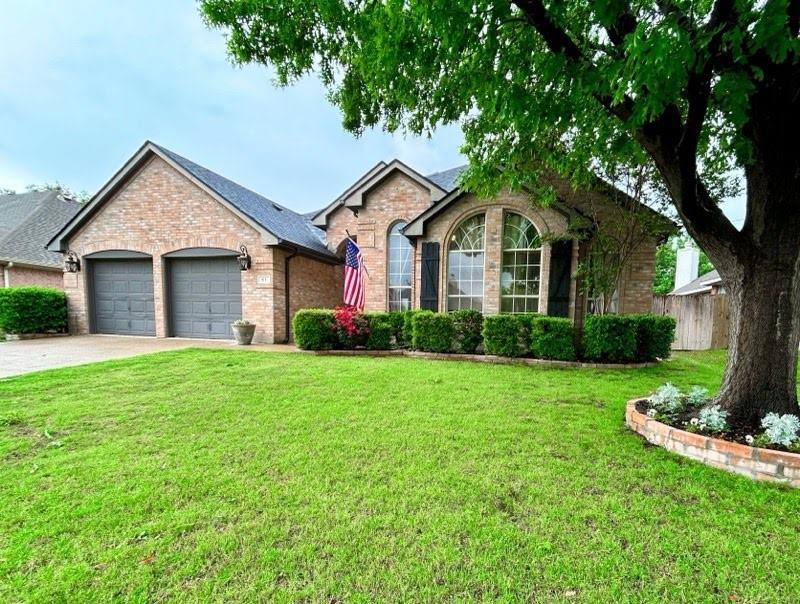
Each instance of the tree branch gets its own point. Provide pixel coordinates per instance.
(559, 42)
(624, 24)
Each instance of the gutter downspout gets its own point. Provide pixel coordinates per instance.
(7, 274)
(288, 314)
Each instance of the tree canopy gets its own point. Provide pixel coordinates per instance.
(575, 85)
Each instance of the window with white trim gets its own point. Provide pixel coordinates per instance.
(520, 279)
(465, 258)
(400, 257)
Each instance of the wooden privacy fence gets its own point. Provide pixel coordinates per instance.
(701, 319)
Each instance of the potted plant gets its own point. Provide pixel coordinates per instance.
(243, 331)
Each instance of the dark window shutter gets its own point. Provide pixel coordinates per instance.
(429, 291)
(560, 265)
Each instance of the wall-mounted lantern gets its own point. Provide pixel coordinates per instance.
(243, 258)
(71, 263)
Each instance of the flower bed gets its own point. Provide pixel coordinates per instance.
(754, 462)
(530, 336)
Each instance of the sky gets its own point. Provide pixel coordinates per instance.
(84, 83)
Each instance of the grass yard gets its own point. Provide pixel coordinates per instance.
(216, 475)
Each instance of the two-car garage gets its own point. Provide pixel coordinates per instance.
(203, 293)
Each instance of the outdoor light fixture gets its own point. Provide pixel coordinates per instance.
(244, 258)
(71, 263)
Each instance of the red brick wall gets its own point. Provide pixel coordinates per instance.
(159, 211)
(18, 275)
(312, 284)
(396, 198)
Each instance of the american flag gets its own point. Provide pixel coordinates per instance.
(353, 276)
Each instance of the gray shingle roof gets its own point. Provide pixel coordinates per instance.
(700, 285)
(282, 222)
(447, 179)
(28, 221)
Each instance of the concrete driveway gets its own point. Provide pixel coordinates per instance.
(25, 356)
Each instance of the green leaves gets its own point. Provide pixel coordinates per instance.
(411, 65)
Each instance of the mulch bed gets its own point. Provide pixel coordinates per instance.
(736, 432)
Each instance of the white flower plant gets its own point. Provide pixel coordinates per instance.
(781, 429)
(712, 418)
(668, 402)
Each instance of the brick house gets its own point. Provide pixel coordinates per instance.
(27, 222)
(161, 243)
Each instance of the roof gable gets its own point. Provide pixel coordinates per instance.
(278, 224)
(354, 196)
(569, 200)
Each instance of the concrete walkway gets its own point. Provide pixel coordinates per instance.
(26, 356)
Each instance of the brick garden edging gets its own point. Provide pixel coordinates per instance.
(478, 358)
(753, 462)
(11, 337)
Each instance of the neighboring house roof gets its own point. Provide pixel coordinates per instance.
(701, 285)
(28, 221)
(279, 222)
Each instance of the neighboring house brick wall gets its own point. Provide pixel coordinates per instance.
(160, 211)
(19, 275)
(441, 227)
(396, 198)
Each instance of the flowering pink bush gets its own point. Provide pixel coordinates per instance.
(351, 326)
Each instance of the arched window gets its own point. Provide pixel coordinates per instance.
(522, 265)
(400, 257)
(465, 254)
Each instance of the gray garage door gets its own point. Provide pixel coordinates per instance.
(123, 297)
(205, 296)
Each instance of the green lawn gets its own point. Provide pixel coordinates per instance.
(215, 475)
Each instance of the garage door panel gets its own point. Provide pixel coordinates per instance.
(219, 308)
(199, 287)
(219, 329)
(217, 287)
(205, 296)
(122, 294)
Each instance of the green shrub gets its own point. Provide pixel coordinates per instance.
(432, 332)
(467, 325)
(407, 331)
(32, 310)
(654, 336)
(313, 329)
(397, 320)
(506, 335)
(610, 338)
(380, 331)
(552, 338)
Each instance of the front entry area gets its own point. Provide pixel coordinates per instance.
(205, 296)
(122, 296)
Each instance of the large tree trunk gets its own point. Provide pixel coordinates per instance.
(760, 375)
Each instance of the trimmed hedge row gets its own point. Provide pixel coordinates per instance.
(627, 338)
(33, 310)
(606, 338)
